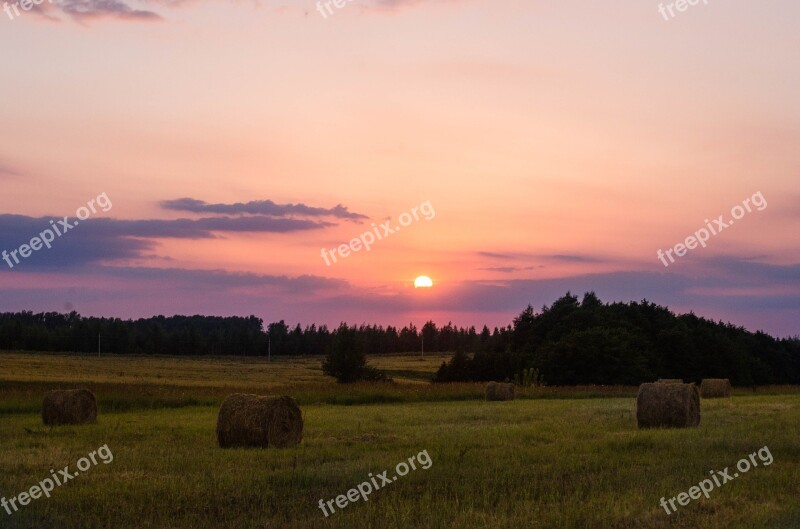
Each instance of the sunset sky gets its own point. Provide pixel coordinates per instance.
(560, 144)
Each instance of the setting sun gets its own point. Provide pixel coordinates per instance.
(423, 282)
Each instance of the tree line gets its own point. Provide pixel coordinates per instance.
(587, 342)
(569, 342)
(221, 336)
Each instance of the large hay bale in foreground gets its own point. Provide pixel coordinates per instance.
(72, 406)
(499, 391)
(670, 405)
(258, 421)
(714, 388)
(670, 381)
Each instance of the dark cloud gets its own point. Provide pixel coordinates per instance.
(100, 239)
(84, 10)
(752, 272)
(87, 9)
(713, 284)
(86, 243)
(260, 207)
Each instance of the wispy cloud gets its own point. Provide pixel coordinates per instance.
(568, 258)
(146, 291)
(84, 10)
(399, 4)
(223, 279)
(260, 207)
(204, 228)
(6, 171)
(87, 9)
(728, 288)
(562, 258)
(509, 269)
(494, 255)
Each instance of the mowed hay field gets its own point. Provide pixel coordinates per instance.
(552, 458)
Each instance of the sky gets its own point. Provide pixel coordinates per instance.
(524, 149)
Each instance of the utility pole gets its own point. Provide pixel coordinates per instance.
(269, 349)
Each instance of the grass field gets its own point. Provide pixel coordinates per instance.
(554, 458)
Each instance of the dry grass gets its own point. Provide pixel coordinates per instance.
(566, 460)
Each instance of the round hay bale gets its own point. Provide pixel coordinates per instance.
(72, 406)
(499, 391)
(670, 381)
(715, 388)
(259, 421)
(669, 405)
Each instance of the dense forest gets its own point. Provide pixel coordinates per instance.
(589, 342)
(569, 342)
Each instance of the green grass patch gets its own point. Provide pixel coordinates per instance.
(555, 458)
